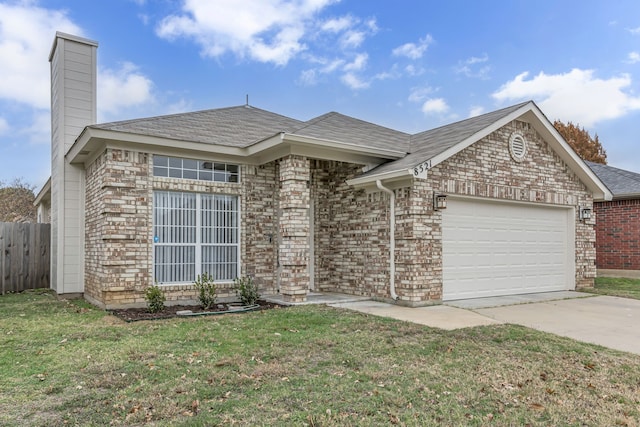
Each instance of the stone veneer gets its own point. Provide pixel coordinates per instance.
(351, 227)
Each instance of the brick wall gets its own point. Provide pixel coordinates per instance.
(119, 222)
(351, 227)
(618, 234)
(118, 234)
(352, 233)
(485, 169)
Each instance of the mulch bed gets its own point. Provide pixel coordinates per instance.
(135, 314)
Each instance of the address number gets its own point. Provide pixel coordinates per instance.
(422, 168)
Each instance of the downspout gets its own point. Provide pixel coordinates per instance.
(392, 239)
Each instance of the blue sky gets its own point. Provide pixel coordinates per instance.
(408, 65)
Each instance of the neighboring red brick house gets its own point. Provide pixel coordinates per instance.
(618, 223)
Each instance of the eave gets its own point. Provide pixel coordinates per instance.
(92, 141)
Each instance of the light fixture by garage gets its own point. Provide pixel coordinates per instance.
(584, 213)
(439, 201)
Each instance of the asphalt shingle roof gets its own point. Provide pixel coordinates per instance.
(245, 125)
(234, 126)
(338, 127)
(621, 183)
(428, 144)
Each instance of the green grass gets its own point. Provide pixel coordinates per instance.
(66, 363)
(617, 287)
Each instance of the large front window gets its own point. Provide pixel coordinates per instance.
(195, 234)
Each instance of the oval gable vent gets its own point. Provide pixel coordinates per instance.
(517, 147)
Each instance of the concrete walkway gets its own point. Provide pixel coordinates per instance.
(437, 316)
(608, 321)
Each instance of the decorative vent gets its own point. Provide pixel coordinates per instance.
(517, 146)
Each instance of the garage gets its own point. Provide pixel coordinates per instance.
(495, 248)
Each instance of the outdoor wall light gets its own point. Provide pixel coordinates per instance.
(585, 214)
(439, 201)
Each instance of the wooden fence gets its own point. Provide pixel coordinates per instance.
(24, 256)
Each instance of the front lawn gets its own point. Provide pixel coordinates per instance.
(617, 287)
(66, 363)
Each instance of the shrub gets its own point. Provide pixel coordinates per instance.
(206, 290)
(246, 290)
(155, 299)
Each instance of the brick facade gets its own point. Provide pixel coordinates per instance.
(486, 169)
(618, 234)
(350, 228)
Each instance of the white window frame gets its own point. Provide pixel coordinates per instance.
(200, 170)
(199, 245)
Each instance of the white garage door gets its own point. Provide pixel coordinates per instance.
(493, 248)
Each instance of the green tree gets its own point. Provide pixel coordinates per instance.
(587, 147)
(16, 201)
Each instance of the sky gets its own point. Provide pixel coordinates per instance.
(410, 65)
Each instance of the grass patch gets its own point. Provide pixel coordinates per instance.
(617, 287)
(68, 363)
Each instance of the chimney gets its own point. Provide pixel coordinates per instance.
(73, 107)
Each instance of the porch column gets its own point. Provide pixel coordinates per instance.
(294, 228)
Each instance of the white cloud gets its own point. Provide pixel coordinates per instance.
(476, 110)
(576, 96)
(354, 82)
(358, 63)
(413, 71)
(419, 94)
(352, 39)
(634, 30)
(633, 57)
(122, 88)
(26, 34)
(435, 106)
(308, 78)
(470, 67)
(263, 30)
(337, 25)
(414, 50)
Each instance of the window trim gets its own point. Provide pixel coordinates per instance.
(198, 244)
(176, 168)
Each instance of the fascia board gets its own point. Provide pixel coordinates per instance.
(43, 193)
(439, 158)
(92, 138)
(343, 146)
(266, 150)
(364, 181)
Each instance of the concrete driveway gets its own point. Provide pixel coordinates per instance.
(607, 321)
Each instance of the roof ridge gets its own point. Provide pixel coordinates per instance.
(188, 113)
(326, 116)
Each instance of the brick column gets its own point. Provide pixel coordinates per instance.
(294, 228)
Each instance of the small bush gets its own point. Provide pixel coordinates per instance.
(155, 299)
(246, 290)
(206, 290)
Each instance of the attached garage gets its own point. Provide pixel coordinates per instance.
(493, 248)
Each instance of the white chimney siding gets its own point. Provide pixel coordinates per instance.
(73, 107)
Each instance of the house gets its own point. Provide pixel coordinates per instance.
(618, 223)
(491, 205)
